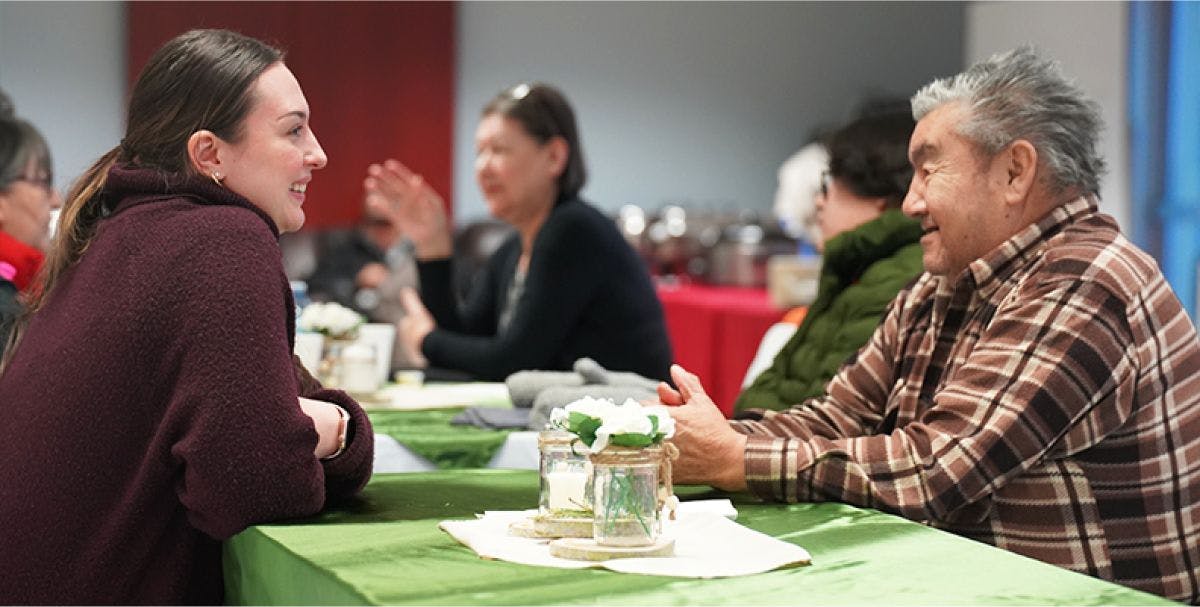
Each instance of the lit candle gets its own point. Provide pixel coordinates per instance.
(567, 490)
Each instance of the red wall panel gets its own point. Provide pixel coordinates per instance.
(379, 78)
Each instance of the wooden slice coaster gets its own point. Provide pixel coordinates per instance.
(523, 528)
(586, 549)
(552, 527)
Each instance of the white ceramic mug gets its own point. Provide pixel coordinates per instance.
(309, 347)
(381, 336)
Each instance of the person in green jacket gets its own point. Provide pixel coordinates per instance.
(870, 251)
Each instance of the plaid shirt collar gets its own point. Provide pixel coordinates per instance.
(984, 275)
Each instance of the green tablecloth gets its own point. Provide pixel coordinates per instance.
(385, 548)
(430, 435)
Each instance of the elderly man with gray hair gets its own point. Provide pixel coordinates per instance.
(1038, 388)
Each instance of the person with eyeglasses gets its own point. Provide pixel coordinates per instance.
(564, 286)
(870, 251)
(27, 201)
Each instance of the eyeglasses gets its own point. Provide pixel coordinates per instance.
(46, 182)
(826, 181)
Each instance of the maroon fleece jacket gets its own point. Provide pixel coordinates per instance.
(151, 409)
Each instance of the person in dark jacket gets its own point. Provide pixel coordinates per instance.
(27, 199)
(365, 268)
(565, 286)
(152, 406)
(871, 251)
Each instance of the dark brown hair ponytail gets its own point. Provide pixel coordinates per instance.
(199, 80)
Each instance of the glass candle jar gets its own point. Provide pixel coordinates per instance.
(359, 373)
(566, 473)
(329, 372)
(625, 486)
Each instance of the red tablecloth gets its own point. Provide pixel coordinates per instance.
(715, 331)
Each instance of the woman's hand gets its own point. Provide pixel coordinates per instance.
(710, 451)
(326, 419)
(416, 324)
(372, 276)
(403, 196)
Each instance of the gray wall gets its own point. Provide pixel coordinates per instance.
(63, 63)
(1093, 53)
(689, 102)
(677, 102)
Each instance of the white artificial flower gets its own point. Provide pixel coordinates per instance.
(634, 409)
(625, 419)
(330, 318)
(596, 408)
(628, 418)
(558, 418)
(666, 423)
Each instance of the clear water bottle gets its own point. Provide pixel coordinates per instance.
(300, 296)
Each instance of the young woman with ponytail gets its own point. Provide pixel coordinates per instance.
(152, 407)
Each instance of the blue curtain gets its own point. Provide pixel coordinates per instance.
(1164, 106)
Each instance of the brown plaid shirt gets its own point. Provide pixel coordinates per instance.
(1047, 403)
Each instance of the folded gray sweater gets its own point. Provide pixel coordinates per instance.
(550, 398)
(545, 390)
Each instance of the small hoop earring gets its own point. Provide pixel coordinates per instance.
(216, 177)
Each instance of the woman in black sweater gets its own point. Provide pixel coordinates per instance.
(566, 285)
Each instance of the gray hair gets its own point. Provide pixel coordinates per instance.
(1019, 95)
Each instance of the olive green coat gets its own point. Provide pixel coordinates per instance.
(862, 271)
